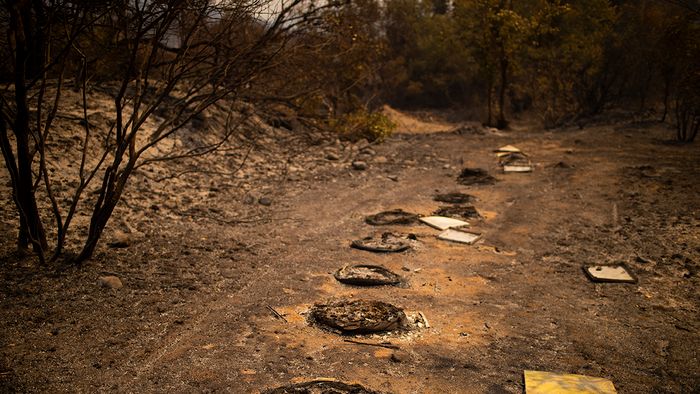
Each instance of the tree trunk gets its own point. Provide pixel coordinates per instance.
(645, 89)
(11, 165)
(667, 93)
(23, 184)
(501, 121)
(489, 119)
(98, 222)
(695, 128)
(26, 202)
(111, 192)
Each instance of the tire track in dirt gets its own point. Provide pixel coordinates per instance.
(534, 310)
(182, 339)
(356, 202)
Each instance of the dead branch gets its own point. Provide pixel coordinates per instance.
(384, 345)
(276, 314)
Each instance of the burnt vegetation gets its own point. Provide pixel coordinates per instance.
(167, 64)
(205, 196)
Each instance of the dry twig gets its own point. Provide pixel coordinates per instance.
(277, 315)
(384, 345)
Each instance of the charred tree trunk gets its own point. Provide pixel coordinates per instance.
(11, 165)
(667, 94)
(503, 64)
(501, 121)
(110, 193)
(31, 227)
(489, 118)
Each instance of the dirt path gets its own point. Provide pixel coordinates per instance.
(197, 320)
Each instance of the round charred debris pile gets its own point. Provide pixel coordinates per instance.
(358, 316)
(458, 212)
(475, 176)
(396, 216)
(454, 198)
(367, 275)
(386, 243)
(321, 387)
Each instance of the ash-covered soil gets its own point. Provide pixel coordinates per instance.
(220, 268)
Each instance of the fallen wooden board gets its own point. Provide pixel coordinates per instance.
(442, 222)
(508, 149)
(512, 168)
(609, 273)
(463, 237)
(538, 382)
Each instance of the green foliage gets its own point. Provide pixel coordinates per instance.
(686, 36)
(347, 61)
(565, 60)
(374, 126)
(567, 51)
(496, 32)
(426, 64)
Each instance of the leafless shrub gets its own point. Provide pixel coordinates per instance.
(164, 62)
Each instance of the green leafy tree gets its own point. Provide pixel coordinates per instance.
(347, 59)
(494, 32)
(684, 34)
(425, 64)
(564, 59)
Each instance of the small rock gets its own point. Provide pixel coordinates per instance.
(362, 144)
(332, 156)
(265, 201)
(643, 260)
(121, 240)
(394, 178)
(563, 165)
(110, 281)
(662, 348)
(363, 157)
(368, 151)
(381, 160)
(359, 165)
(248, 199)
(399, 356)
(446, 166)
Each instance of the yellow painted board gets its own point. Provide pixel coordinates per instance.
(538, 382)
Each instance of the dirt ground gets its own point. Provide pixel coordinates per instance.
(206, 264)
